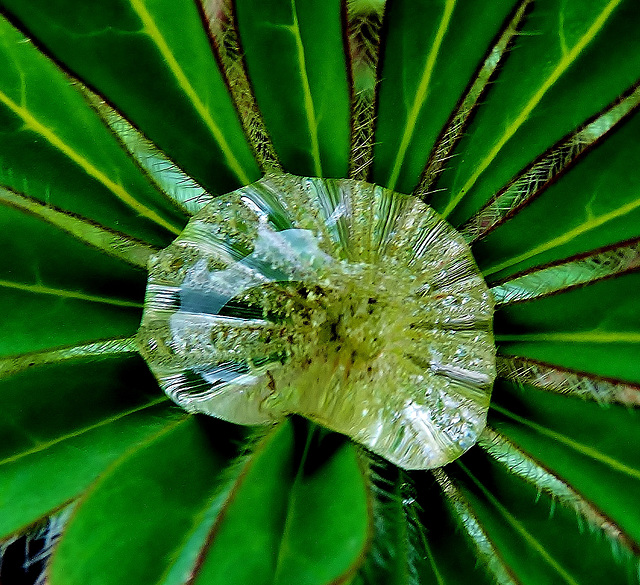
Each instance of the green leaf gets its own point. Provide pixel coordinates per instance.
(592, 448)
(571, 60)
(291, 517)
(447, 549)
(432, 50)
(81, 419)
(595, 204)
(164, 487)
(73, 152)
(592, 329)
(295, 60)
(417, 539)
(393, 545)
(56, 291)
(62, 424)
(539, 542)
(154, 63)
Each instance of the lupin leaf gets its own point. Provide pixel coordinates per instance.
(571, 60)
(129, 500)
(81, 419)
(152, 61)
(61, 425)
(296, 62)
(73, 152)
(594, 205)
(592, 448)
(291, 516)
(46, 305)
(592, 329)
(427, 63)
(539, 543)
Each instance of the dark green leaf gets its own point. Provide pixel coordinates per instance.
(165, 488)
(593, 205)
(56, 291)
(58, 150)
(417, 539)
(592, 448)
(592, 329)
(295, 59)
(291, 518)
(61, 425)
(153, 61)
(572, 59)
(540, 542)
(431, 52)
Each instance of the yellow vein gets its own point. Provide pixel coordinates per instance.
(578, 337)
(176, 186)
(583, 228)
(306, 89)
(52, 138)
(512, 128)
(572, 444)
(421, 93)
(112, 242)
(154, 33)
(82, 431)
(528, 184)
(69, 294)
(457, 124)
(520, 529)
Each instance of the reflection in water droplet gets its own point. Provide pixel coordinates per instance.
(342, 301)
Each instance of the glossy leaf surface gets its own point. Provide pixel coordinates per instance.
(153, 61)
(295, 60)
(157, 502)
(427, 65)
(73, 152)
(291, 516)
(61, 425)
(593, 329)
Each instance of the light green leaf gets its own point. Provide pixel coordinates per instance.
(540, 542)
(594, 205)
